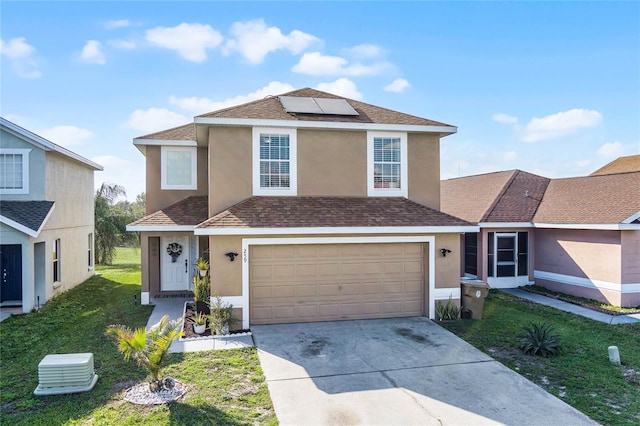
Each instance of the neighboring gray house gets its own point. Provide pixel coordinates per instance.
(46, 218)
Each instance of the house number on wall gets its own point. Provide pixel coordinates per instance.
(245, 256)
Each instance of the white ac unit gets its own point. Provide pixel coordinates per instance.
(66, 373)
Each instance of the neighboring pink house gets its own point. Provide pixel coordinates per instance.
(579, 235)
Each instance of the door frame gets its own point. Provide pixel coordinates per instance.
(242, 301)
(185, 256)
(17, 284)
(509, 281)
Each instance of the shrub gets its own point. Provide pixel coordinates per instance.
(540, 339)
(447, 312)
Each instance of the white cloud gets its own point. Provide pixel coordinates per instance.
(509, 156)
(117, 23)
(560, 124)
(364, 51)
(398, 85)
(201, 105)
(191, 41)
(92, 53)
(504, 118)
(129, 174)
(342, 87)
(254, 40)
(155, 119)
(315, 63)
(122, 44)
(21, 56)
(611, 150)
(67, 136)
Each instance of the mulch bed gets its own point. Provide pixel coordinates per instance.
(188, 326)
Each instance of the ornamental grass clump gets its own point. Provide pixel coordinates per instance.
(540, 339)
(147, 347)
(447, 312)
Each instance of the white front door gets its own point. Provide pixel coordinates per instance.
(506, 255)
(175, 263)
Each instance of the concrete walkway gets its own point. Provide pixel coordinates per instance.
(174, 307)
(6, 312)
(574, 309)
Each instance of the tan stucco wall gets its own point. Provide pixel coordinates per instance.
(158, 198)
(424, 169)
(329, 163)
(579, 253)
(226, 276)
(332, 163)
(229, 166)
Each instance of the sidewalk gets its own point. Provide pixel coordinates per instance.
(574, 309)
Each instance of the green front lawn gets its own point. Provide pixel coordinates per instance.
(224, 387)
(582, 376)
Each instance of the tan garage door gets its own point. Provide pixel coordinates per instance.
(325, 282)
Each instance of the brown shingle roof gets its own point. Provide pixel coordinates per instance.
(606, 199)
(630, 163)
(190, 211)
(319, 212)
(185, 132)
(493, 197)
(270, 108)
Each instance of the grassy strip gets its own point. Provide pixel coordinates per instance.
(582, 375)
(587, 303)
(224, 387)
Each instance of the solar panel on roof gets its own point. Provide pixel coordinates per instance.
(335, 106)
(308, 105)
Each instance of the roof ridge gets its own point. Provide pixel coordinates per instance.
(496, 200)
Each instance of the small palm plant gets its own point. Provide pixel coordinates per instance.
(147, 347)
(540, 339)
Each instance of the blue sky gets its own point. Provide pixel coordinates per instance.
(551, 88)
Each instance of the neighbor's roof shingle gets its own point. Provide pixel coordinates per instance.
(270, 108)
(509, 196)
(606, 199)
(190, 211)
(319, 212)
(30, 214)
(185, 132)
(630, 163)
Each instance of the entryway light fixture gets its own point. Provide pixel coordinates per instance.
(232, 255)
(444, 251)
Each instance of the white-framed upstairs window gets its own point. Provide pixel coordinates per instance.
(14, 171)
(179, 167)
(274, 161)
(387, 164)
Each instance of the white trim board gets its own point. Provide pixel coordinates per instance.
(505, 225)
(632, 218)
(160, 228)
(247, 242)
(595, 226)
(338, 230)
(295, 124)
(587, 282)
(444, 293)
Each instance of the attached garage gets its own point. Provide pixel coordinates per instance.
(326, 282)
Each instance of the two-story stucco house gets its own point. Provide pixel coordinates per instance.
(309, 206)
(46, 218)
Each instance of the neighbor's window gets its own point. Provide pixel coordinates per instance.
(14, 171)
(387, 164)
(179, 167)
(57, 272)
(274, 161)
(90, 251)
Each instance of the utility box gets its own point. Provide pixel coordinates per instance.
(473, 294)
(66, 373)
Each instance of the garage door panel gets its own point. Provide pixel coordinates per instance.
(320, 282)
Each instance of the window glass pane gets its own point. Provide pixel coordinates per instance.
(274, 167)
(490, 254)
(11, 171)
(284, 153)
(284, 167)
(264, 181)
(178, 167)
(274, 147)
(506, 270)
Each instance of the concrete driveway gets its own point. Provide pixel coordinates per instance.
(395, 371)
